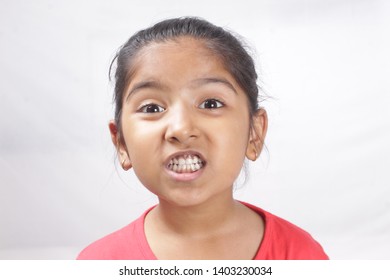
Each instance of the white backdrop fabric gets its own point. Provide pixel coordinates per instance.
(325, 63)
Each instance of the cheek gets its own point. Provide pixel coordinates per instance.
(142, 141)
(233, 139)
(143, 148)
(239, 132)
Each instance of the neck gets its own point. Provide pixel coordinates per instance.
(205, 219)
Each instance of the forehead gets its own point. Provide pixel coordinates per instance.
(179, 54)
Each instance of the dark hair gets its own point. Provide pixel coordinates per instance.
(221, 42)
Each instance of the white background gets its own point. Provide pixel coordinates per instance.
(326, 64)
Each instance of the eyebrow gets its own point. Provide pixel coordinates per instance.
(144, 85)
(153, 84)
(205, 81)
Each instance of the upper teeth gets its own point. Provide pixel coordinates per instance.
(186, 163)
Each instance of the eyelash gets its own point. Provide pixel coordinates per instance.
(144, 108)
(221, 104)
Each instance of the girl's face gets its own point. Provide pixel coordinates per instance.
(186, 124)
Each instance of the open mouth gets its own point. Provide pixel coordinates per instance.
(187, 163)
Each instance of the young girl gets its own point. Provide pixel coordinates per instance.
(187, 116)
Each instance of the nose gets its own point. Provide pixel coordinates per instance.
(181, 126)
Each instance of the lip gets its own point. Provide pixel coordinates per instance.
(184, 177)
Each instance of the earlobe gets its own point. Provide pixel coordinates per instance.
(123, 155)
(257, 134)
(126, 164)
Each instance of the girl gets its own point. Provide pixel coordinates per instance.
(186, 117)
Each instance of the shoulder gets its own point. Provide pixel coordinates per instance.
(128, 242)
(284, 240)
(116, 245)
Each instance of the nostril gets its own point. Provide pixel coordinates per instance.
(182, 138)
(173, 139)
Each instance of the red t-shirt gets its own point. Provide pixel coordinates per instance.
(281, 241)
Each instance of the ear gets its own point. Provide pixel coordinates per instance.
(118, 142)
(257, 133)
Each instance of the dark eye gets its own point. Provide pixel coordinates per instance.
(151, 108)
(211, 104)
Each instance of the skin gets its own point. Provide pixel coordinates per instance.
(181, 99)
